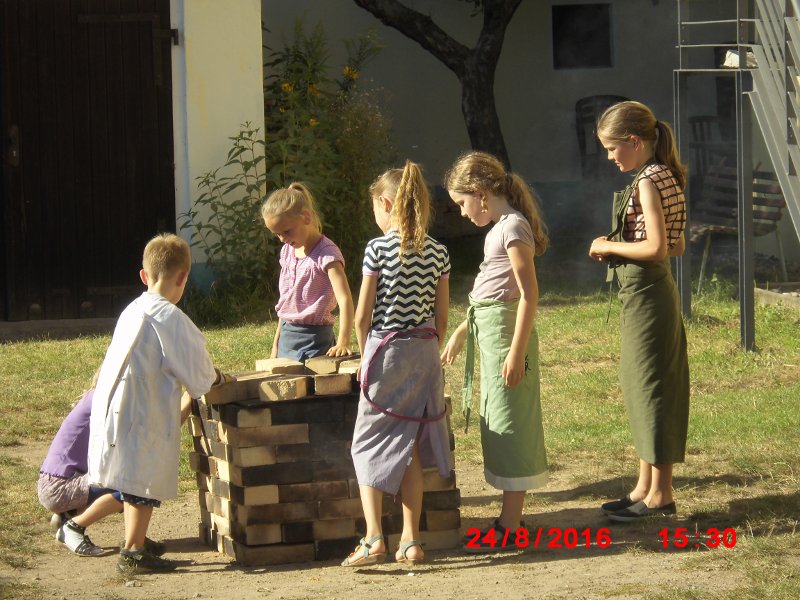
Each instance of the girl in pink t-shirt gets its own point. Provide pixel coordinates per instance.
(312, 279)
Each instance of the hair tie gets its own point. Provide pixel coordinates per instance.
(657, 123)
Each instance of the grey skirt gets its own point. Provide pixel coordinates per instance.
(405, 379)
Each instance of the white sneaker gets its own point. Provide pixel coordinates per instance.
(74, 537)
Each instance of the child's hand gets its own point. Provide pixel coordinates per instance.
(513, 370)
(599, 249)
(454, 345)
(338, 350)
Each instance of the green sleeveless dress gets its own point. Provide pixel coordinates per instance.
(654, 366)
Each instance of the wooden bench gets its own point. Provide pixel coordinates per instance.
(716, 211)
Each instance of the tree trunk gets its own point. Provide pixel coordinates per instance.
(475, 67)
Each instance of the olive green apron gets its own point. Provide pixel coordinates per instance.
(654, 366)
(512, 438)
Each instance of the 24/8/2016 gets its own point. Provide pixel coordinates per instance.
(555, 537)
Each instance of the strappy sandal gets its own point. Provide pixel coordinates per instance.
(404, 546)
(356, 559)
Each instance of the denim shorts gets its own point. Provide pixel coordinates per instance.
(301, 342)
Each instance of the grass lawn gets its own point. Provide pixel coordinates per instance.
(743, 463)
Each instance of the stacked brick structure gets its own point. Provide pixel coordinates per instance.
(274, 472)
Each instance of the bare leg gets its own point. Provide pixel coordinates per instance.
(372, 504)
(411, 492)
(643, 484)
(102, 507)
(660, 492)
(511, 513)
(137, 520)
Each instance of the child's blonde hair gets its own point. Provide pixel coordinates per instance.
(624, 119)
(165, 255)
(411, 204)
(291, 200)
(481, 172)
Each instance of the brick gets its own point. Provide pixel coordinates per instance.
(194, 425)
(256, 535)
(294, 533)
(309, 492)
(253, 413)
(219, 506)
(432, 481)
(323, 470)
(285, 388)
(331, 529)
(203, 482)
(433, 540)
(201, 497)
(199, 463)
(254, 495)
(349, 366)
(222, 394)
(292, 453)
(220, 488)
(335, 383)
(392, 523)
(444, 500)
(221, 524)
(440, 520)
(253, 456)
(200, 408)
(280, 366)
(311, 410)
(263, 436)
(262, 475)
(335, 549)
(354, 489)
(285, 512)
(325, 365)
(248, 383)
(200, 445)
(267, 555)
(339, 509)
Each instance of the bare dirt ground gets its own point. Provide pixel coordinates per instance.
(633, 566)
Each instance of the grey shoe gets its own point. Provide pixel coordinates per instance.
(133, 561)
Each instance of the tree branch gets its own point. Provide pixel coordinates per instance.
(421, 29)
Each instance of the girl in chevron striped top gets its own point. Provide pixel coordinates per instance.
(401, 316)
(501, 318)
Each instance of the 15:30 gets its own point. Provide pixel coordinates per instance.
(711, 538)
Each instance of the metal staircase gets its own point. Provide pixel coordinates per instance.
(766, 33)
(776, 92)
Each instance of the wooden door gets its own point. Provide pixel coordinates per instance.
(86, 109)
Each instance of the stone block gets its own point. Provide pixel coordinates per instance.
(284, 512)
(332, 529)
(440, 520)
(323, 365)
(280, 366)
(340, 509)
(263, 436)
(311, 492)
(432, 481)
(283, 388)
(267, 555)
(333, 384)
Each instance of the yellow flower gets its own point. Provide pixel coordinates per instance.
(350, 73)
(313, 90)
(313, 122)
(287, 87)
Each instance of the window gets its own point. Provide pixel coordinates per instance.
(581, 36)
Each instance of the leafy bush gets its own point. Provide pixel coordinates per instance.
(327, 132)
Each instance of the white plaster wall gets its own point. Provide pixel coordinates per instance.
(217, 85)
(535, 102)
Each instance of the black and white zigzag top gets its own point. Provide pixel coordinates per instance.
(406, 288)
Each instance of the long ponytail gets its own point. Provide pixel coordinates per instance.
(411, 204)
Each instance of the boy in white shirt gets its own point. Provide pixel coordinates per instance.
(134, 442)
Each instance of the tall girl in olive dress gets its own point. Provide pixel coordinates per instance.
(649, 221)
